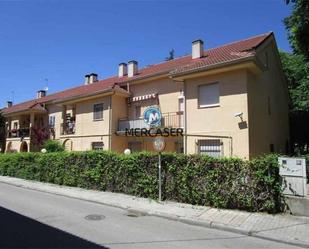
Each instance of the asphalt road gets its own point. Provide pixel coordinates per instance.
(33, 219)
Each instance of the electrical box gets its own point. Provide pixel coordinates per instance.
(293, 172)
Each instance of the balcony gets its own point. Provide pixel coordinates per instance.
(67, 128)
(19, 133)
(171, 119)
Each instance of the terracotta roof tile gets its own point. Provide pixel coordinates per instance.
(225, 53)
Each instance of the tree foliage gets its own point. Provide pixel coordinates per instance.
(297, 25)
(296, 69)
(53, 146)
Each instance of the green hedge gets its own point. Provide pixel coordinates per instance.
(224, 183)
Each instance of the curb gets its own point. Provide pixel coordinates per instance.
(189, 221)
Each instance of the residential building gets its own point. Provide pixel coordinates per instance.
(229, 101)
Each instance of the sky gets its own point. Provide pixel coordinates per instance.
(55, 43)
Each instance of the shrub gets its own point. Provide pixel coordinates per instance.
(224, 183)
(53, 146)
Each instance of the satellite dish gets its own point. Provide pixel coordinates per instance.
(46, 89)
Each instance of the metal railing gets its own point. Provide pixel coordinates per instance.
(172, 119)
(67, 128)
(20, 132)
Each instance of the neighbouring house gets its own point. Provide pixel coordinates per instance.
(228, 101)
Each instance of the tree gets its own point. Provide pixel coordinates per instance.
(297, 25)
(171, 55)
(289, 1)
(296, 69)
(38, 136)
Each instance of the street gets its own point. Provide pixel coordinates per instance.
(33, 219)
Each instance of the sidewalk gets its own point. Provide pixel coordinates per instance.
(282, 227)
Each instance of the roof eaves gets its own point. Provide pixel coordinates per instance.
(83, 95)
(175, 73)
(148, 76)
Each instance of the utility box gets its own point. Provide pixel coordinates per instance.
(293, 172)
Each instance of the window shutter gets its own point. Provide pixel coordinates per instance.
(209, 95)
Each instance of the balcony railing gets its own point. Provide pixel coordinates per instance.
(173, 119)
(67, 128)
(21, 132)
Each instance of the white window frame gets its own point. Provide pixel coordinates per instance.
(208, 105)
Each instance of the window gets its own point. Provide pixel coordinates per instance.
(52, 121)
(210, 147)
(97, 145)
(208, 95)
(98, 111)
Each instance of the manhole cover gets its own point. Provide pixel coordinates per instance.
(94, 217)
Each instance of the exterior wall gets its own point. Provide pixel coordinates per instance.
(268, 128)
(219, 121)
(14, 144)
(87, 130)
(168, 92)
(56, 111)
(85, 143)
(119, 110)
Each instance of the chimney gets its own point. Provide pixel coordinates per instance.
(87, 79)
(9, 104)
(122, 70)
(93, 78)
(40, 94)
(132, 68)
(197, 49)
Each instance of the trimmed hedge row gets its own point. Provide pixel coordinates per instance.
(224, 183)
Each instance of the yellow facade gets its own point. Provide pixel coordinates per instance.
(257, 93)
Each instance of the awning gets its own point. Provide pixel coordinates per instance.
(143, 97)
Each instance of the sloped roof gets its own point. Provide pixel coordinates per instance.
(229, 52)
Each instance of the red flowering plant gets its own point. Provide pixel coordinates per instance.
(38, 136)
